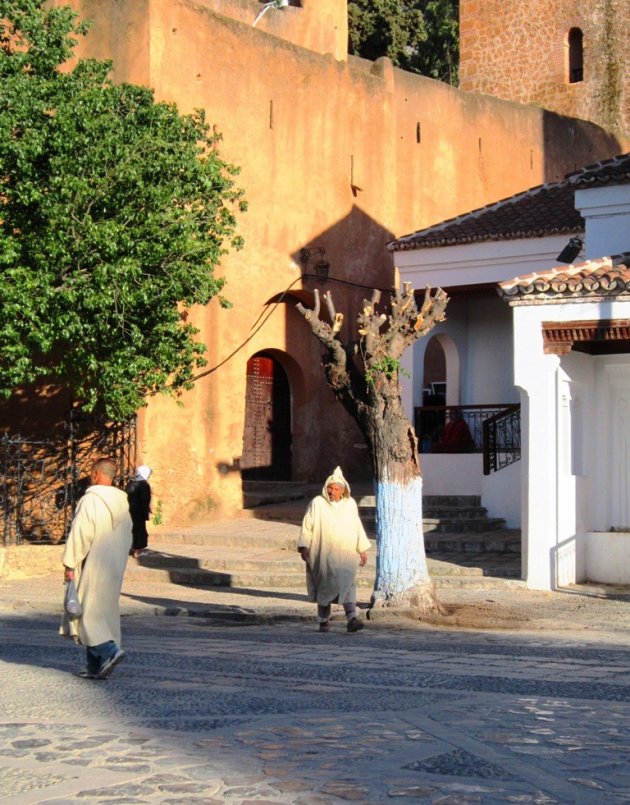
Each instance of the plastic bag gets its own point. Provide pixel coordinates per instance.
(71, 602)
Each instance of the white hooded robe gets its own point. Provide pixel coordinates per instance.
(97, 550)
(335, 536)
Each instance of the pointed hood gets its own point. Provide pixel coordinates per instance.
(336, 478)
(115, 499)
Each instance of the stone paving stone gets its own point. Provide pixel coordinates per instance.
(411, 726)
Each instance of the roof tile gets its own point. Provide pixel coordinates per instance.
(548, 209)
(602, 277)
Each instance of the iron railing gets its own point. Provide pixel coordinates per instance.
(502, 439)
(430, 420)
(495, 431)
(43, 479)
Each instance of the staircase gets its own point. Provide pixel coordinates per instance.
(257, 552)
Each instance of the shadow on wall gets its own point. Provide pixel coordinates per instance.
(40, 409)
(588, 140)
(324, 434)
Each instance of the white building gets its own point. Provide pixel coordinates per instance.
(560, 348)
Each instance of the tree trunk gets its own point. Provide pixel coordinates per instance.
(402, 575)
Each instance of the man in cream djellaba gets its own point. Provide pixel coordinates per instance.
(333, 544)
(95, 556)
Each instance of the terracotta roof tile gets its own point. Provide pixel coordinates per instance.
(548, 209)
(593, 279)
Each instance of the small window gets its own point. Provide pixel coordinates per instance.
(576, 56)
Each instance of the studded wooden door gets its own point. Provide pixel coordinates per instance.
(267, 433)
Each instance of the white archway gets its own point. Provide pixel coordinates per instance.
(451, 362)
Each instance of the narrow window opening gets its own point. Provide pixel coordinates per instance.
(418, 133)
(270, 114)
(576, 56)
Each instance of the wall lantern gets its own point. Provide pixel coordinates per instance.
(321, 267)
(570, 251)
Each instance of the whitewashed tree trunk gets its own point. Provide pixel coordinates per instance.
(401, 566)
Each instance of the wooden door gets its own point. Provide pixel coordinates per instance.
(267, 433)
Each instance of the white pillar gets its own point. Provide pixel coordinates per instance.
(536, 374)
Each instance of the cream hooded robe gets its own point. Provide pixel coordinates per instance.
(335, 536)
(97, 550)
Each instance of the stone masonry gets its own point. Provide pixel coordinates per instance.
(518, 50)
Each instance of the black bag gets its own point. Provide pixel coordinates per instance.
(71, 602)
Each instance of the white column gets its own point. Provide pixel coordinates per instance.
(535, 373)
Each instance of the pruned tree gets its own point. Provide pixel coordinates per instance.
(363, 375)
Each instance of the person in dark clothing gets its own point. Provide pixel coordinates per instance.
(139, 496)
(456, 437)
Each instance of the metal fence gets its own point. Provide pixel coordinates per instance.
(430, 420)
(502, 439)
(43, 478)
(495, 431)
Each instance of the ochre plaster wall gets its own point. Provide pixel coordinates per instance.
(518, 50)
(338, 153)
(319, 25)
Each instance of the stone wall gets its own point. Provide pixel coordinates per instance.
(30, 561)
(518, 50)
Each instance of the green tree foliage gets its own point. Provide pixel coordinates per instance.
(114, 210)
(421, 36)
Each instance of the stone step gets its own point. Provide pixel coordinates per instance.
(267, 569)
(210, 537)
(504, 540)
(478, 525)
(451, 500)
(454, 512)
(260, 493)
(477, 583)
(497, 565)
(272, 579)
(436, 512)
(450, 524)
(497, 540)
(295, 581)
(446, 513)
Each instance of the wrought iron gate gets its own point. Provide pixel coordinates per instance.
(43, 479)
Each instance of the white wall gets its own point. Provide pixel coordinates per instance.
(610, 487)
(501, 494)
(481, 330)
(569, 472)
(475, 263)
(488, 373)
(608, 557)
(606, 211)
(451, 474)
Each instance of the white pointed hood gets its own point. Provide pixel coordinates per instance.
(336, 478)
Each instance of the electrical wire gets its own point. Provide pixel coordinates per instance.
(265, 315)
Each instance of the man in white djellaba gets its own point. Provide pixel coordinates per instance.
(333, 544)
(95, 556)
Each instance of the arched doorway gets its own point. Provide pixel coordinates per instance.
(440, 387)
(267, 433)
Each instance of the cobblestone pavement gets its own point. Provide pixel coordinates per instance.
(211, 711)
